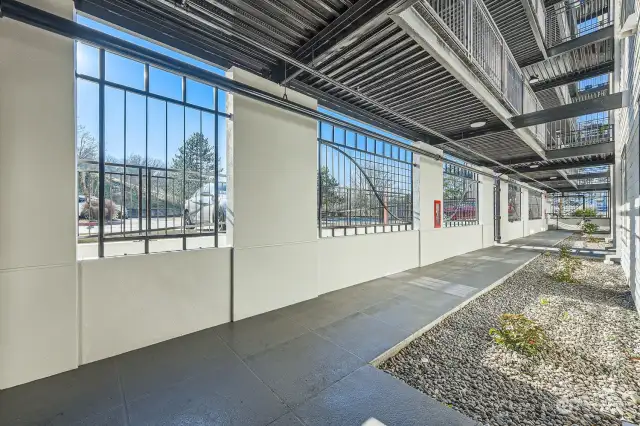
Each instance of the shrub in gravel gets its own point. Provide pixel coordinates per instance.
(519, 334)
(568, 266)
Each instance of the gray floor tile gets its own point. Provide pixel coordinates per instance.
(289, 419)
(165, 364)
(253, 335)
(362, 296)
(429, 299)
(64, 398)
(114, 417)
(370, 393)
(302, 367)
(363, 335)
(229, 396)
(411, 314)
(320, 312)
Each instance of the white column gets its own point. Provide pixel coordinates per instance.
(485, 197)
(272, 220)
(505, 228)
(38, 308)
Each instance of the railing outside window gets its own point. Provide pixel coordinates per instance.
(575, 18)
(575, 204)
(365, 185)
(150, 165)
(584, 130)
(535, 206)
(460, 196)
(514, 199)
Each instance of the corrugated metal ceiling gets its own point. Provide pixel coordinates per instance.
(511, 19)
(572, 62)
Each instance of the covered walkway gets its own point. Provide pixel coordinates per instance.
(306, 364)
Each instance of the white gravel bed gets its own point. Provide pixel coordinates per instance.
(589, 375)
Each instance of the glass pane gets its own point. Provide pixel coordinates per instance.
(192, 162)
(326, 131)
(175, 140)
(165, 84)
(87, 60)
(87, 104)
(199, 94)
(124, 71)
(114, 125)
(339, 135)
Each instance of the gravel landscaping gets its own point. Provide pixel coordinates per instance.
(589, 373)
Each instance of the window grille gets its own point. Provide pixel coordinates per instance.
(514, 203)
(460, 196)
(535, 206)
(150, 148)
(574, 204)
(365, 185)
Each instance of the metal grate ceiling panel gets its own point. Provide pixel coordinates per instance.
(388, 66)
(573, 62)
(511, 19)
(501, 146)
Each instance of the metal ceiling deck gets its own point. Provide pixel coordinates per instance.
(512, 21)
(501, 146)
(388, 66)
(574, 62)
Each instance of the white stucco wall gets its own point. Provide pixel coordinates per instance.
(38, 298)
(626, 76)
(272, 220)
(350, 260)
(129, 302)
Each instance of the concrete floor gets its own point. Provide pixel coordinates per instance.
(305, 364)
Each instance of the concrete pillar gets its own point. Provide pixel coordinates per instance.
(485, 213)
(38, 308)
(272, 220)
(431, 183)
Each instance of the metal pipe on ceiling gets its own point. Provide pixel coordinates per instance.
(39, 18)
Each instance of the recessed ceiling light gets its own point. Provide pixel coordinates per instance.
(553, 177)
(534, 79)
(534, 166)
(477, 124)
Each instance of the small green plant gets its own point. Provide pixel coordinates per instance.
(520, 334)
(544, 301)
(568, 266)
(588, 212)
(565, 274)
(565, 253)
(589, 228)
(565, 316)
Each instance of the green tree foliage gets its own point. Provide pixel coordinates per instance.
(331, 197)
(197, 156)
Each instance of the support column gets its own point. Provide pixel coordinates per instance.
(38, 298)
(485, 202)
(272, 219)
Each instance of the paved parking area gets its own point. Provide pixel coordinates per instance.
(306, 364)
